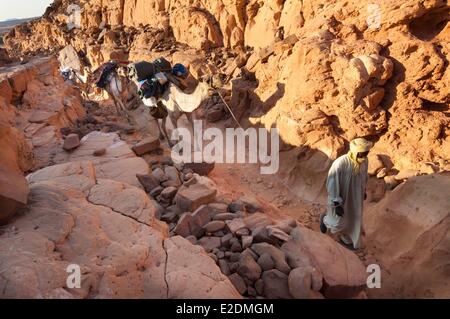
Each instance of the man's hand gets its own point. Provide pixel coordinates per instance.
(339, 210)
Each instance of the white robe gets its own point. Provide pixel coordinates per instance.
(346, 187)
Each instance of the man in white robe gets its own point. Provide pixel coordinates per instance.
(346, 186)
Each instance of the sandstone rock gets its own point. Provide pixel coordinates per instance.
(302, 280)
(375, 164)
(159, 174)
(200, 218)
(259, 287)
(209, 243)
(261, 235)
(122, 170)
(168, 193)
(225, 216)
(251, 204)
(225, 240)
(238, 283)
(235, 224)
(183, 227)
(236, 247)
(218, 208)
(405, 174)
(224, 268)
(173, 175)
(346, 279)
(214, 226)
(248, 268)
(242, 232)
(99, 152)
(71, 142)
(187, 265)
(275, 284)
(391, 182)
(277, 255)
(156, 191)
(115, 149)
(192, 197)
(128, 200)
(146, 145)
(277, 233)
(266, 262)
(200, 168)
(169, 217)
(192, 240)
(382, 172)
(149, 182)
(246, 241)
(421, 244)
(13, 193)
(257, 220)
(236, 206)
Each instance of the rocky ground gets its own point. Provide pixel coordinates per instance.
(103, 193)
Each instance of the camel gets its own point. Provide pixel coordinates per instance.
(177, 103)
(174, 100)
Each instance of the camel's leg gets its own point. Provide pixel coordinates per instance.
(174, 119)
(162, 129)
(190, 118)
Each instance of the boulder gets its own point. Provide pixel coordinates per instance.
(201, 169)
(235, 224)
(375, 164)
(238, 283)
(246, 241)
(192, 197)
(71, 142)
(13, 193)
(168, 193)
(225, 216)
(159, 174)
(214, 226)
(99, 152)
(224, 268)
(277, 233)
(183, 227)
(266, 262)
(173, 175)
(261, 235)
(146, 145)
(303, 280)
(249, 268)
(149, 182)
(275, 284)
(209, 243)
(200, 217)
(277, 255)
(348, 275)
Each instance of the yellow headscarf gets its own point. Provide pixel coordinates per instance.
(358, 145)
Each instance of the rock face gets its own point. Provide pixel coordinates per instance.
(47, 104)
(346, 67)
(107, 228)
(409, 228)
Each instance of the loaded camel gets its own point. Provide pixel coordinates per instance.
(177, 103)
(173, 103)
